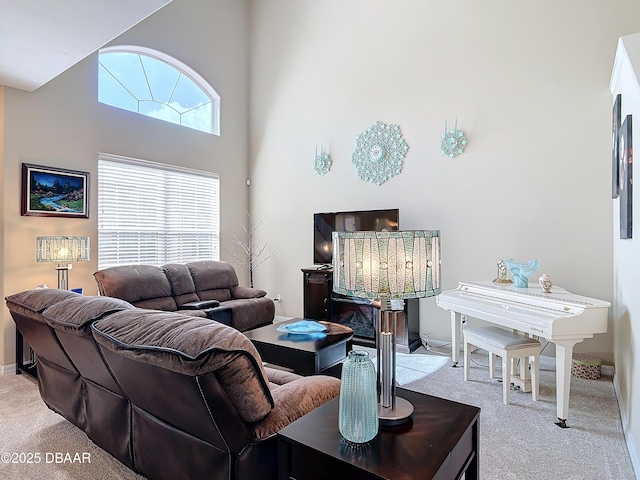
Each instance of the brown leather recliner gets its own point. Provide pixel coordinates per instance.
(204, 288)
(169, 395)
(73, 379)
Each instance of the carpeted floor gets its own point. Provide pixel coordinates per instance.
(519, 441)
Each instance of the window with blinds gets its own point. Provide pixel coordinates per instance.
(150, 213)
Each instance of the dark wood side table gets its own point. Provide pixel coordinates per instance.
(22, 366)
(441, 442)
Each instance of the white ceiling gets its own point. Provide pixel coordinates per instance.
(40, 39)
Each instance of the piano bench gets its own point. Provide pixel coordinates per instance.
(509, 346)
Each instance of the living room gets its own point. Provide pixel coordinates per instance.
(528, 84)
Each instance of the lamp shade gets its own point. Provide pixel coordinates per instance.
(62, 249)
(393, 265)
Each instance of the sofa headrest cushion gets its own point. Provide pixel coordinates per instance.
(76, 314)
(191, 346)
(180, 278)
(133, 283)
(32, 303)
(209, 275)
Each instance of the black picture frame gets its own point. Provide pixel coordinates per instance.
(615, 152)
(54, 192)
(626, 178)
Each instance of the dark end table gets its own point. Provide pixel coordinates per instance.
(28, 367)
(441, 442)
(303, 354)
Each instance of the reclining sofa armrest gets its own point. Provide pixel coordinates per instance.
(220, 314)
(199, 305)
(246, 292)
(295, 399)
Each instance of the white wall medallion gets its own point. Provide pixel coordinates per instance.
(452, 142)
(378, 153)
(321, 162)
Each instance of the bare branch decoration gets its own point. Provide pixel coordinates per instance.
(250, 251)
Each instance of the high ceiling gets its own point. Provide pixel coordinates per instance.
(40, 39)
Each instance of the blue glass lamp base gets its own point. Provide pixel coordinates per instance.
(390, 417)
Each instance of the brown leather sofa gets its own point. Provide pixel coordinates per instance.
(170, 396)
(205, 288)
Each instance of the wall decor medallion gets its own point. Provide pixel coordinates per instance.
(321, 162)
(452, 142)
(378, 153)
(54, 192)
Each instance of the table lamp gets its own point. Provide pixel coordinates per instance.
(387, 267)
(62, 250)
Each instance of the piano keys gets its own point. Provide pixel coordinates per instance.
(560, 317)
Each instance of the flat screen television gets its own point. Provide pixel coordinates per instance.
(326, 223)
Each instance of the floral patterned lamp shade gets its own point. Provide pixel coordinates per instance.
(394, 265)
(62, 250)
(388, 267)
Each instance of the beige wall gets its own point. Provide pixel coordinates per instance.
(527, 82)
(63, 125)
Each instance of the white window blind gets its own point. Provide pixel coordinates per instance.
(150, 213)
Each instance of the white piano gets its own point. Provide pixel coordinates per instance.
(560, 317)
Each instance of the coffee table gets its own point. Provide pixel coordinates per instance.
(441, 442)
(303, 354)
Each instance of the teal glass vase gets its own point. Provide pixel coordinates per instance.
(521, 271)
(358, 411)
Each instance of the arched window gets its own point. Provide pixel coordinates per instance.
(151, 83)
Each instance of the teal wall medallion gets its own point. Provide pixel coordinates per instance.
(378, 153)
(452, 142)
(322, 162)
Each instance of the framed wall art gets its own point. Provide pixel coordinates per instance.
(54, 192)
(615, 155)
(626, 178)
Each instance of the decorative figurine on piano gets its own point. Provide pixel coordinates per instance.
(502, 273)
(521, 272)
(546, 282)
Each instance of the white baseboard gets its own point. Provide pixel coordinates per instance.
(631, 445)
(8, 369)
(279, 318)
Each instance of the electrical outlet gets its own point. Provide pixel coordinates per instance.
(464, 319)
(278, 298)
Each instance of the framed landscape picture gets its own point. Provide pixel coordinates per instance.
(615, 152)
(54, 192)
(626, 178)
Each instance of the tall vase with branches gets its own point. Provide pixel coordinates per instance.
(249, 250)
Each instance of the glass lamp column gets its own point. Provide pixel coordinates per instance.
(392, 410)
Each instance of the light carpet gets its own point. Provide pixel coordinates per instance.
(518, 441)
(521, 441)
